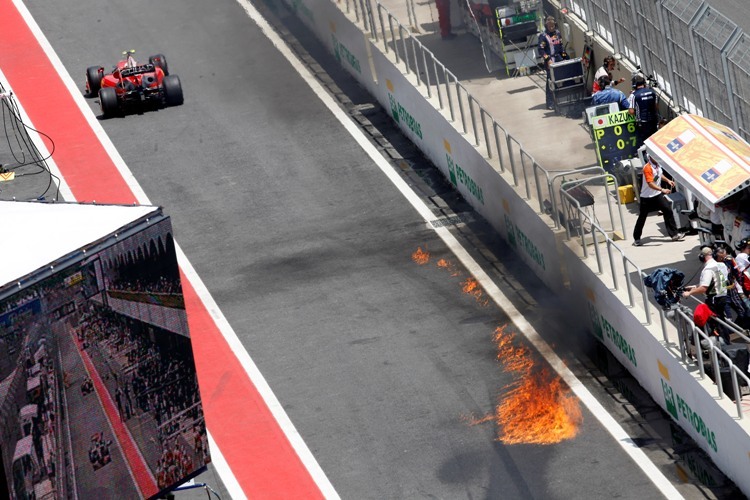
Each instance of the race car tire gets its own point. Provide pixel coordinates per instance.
(94, 79)
(160, 61)
(108, 101)
(172, 90)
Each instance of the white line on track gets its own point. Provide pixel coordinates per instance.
(523, 326)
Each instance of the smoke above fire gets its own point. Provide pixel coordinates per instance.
(537, 407)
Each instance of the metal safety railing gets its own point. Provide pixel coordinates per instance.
(691, 338)
(487, 134)
(597, 236)
(688, 334)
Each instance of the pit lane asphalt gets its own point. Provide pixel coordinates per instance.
(306, 248)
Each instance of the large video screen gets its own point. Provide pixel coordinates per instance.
(98, 390)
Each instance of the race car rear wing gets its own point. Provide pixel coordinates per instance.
(137, 70)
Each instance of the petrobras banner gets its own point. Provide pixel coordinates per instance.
(347, 43)
(690, 402)
(340, 35)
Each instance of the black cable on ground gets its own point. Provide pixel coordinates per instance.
(13, 125)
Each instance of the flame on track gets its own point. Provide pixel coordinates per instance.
(448, 266)
(471, 286)
(538, 408)
(420, 256)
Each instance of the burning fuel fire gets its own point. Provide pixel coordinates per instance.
(538, 408)
(420, 256)
(471, 286)
(448, 266)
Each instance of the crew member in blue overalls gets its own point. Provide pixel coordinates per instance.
(644, 104)
(551, 50)
(608, 94)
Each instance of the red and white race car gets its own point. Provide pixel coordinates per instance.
(130, 83)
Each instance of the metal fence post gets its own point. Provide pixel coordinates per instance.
(511, 156)
(393, 36)
(666, 36)
(382, 28)
(731, 43)
(448, 93)
(437, 82)
(698, 57)
(403, 46)
(371, 19)
(364, 14)
(426, 72)
(470, 100)
(495, 126)
(416, 60)
(356, 10)
(482, 113)
(460, 103)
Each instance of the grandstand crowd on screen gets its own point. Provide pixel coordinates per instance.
(151, 379)
(161, 285)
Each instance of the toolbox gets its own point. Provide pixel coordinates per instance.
(566, 73)
(626, 194)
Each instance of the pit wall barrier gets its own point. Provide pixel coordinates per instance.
(689, 400)
(534, 238)
(340, 36)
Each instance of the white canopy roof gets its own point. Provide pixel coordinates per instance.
(34, 234)
(708, 158)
